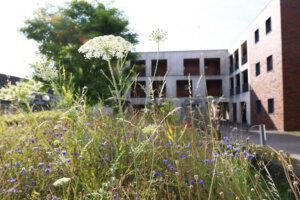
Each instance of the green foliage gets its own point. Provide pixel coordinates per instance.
(61, 31)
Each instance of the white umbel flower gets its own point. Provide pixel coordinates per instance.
(106, 47)
(61, 181)
(158, 35)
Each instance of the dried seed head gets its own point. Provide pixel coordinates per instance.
(288, 154)
(252, 189)
(176, 174)
(290, 167)
(295, 183)
(280, 151)
(196, 177)
(256, 176)
(222, 195)
(237, 198)
(177, 163)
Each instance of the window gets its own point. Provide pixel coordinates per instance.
(270, 106)
(269, 63)
(256, 36)
(268, 25)
(258, 106)
(257, 68)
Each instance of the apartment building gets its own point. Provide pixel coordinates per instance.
(258, 77)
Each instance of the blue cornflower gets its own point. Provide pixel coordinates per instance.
(226, 139)
(244, 153)
(54, 198)
(188, 145)
(205, 161)
(183, 156)
(18, 164)
(47, 170)
(105, 158)
(237, 170)
(250, 156)
(57, 135)
(156, 173)
(103, 144)
(216, 154)
(33, 183)
(41, 164)
(63, 152)
(12, 190)
(174, 169)
(200, 182)
(191, 182)
(165, 161)
(22, 170)
(20, 151)
(237, 149)
(12, 180)
(68, 160)
(231, 155)
(35, 148)
(169, 144)
(229, 146)
(74, 153)
(212, 160)
(170, 165)
(31, 169)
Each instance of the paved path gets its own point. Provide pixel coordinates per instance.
(277, 140)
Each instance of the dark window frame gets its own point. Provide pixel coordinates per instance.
(270, 63)
(271, 106)
(257, 69)
(268, 25)
(258, 106)
(256, 36)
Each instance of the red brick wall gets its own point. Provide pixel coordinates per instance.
(290, 21)
(268, 84)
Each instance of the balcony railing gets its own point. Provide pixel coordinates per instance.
(245, 87)
(231, 69)
(244, 59)
(236, 65)
(231, 91)
(237, 90)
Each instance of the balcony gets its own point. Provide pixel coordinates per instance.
(244, 59)
(237, 90)
(214, 88)
(231, 91)
(245, 87)
(212, 66)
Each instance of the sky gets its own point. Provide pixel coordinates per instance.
(190, 25)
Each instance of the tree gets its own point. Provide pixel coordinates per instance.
(60, 31)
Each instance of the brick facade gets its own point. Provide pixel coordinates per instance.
(290, 21)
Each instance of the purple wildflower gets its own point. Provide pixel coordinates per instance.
(63, 152)
(216, 154)
(156, 173)
(12, 180)
(205, 161)
(170, 165)
(212, 161)
(237, 170)
(41, 164)
(244, 153)
(231, 155)
(68, 160)
(188, 145)
(47, 170)
(237, 149)
(18, 164)
(200, 182)
(57, 135)
(35, 148)
(106, 158)
(229, 146)
(165, 161)
(250, 156)
(174, 169)
(12, 190)
(22, 170)
(183, 156)
(191, 182)
(31, 169)
(226, 139)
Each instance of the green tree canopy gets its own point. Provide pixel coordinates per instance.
(60, 31)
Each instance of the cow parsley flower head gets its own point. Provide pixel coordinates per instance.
(61, 181)
(158, 35)
(106, 47)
